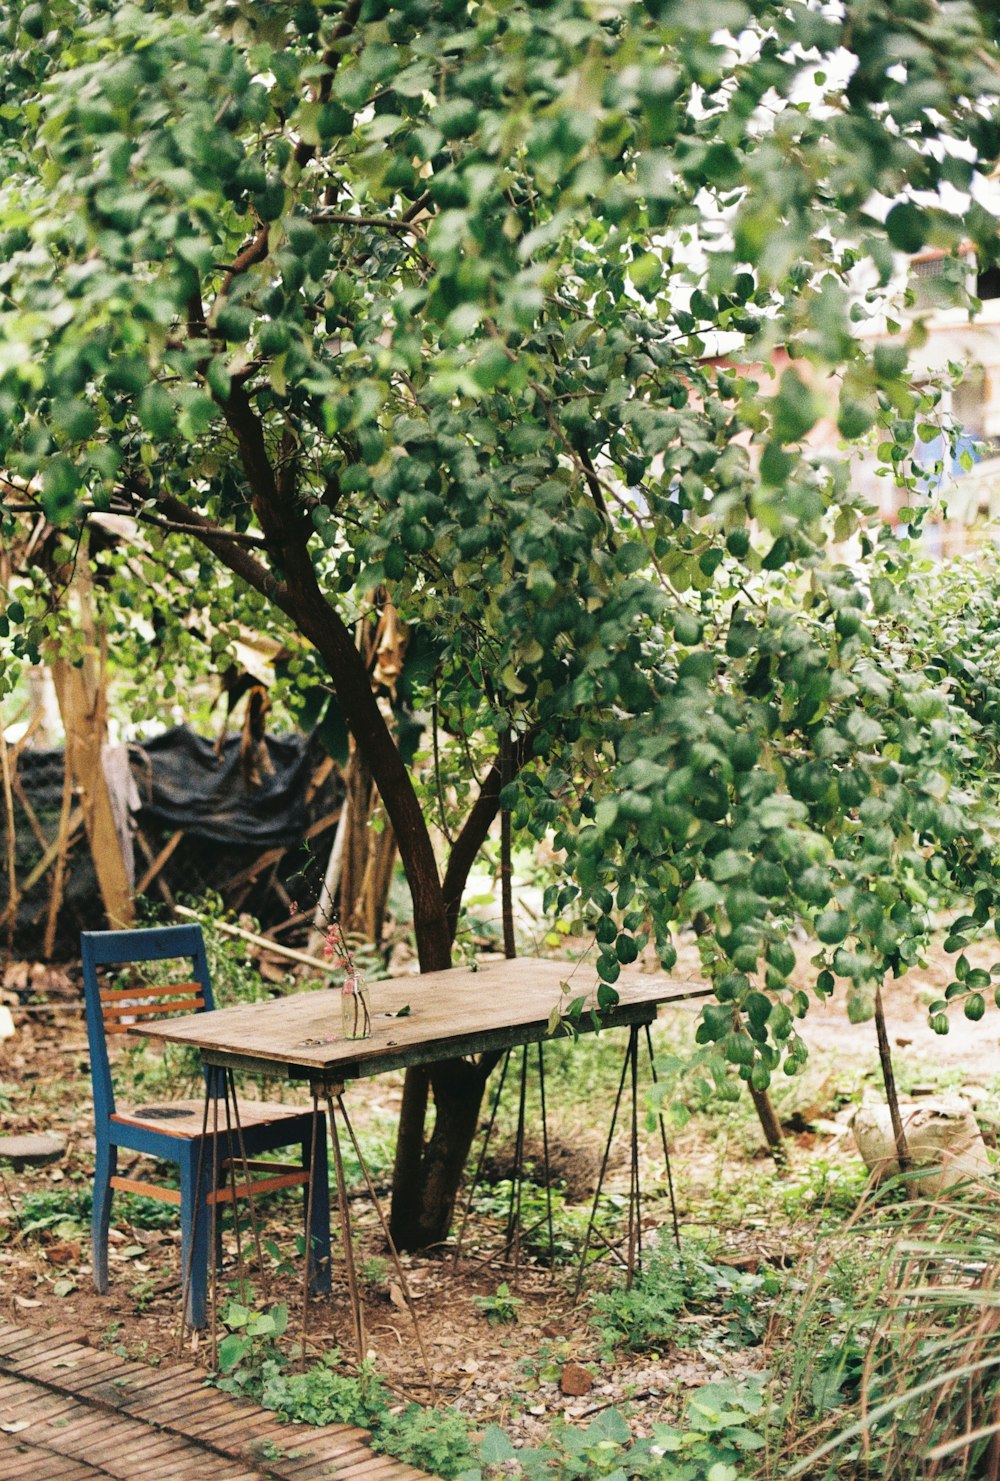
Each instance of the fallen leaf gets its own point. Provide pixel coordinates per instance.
(396, 1296)
(63, 1252)
(25, 1301)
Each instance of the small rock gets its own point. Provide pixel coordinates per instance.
(32, 1150)
(576, 1381)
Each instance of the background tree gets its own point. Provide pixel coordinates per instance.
(349, 299)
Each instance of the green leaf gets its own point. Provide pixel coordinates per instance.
(495, 1446)
(795, 409)
(907, 227)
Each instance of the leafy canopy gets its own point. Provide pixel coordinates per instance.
(473, 308)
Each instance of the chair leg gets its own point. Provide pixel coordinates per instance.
(194, 1235)
(105, 1167)
(319, 1255)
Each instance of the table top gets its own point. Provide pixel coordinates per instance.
(493, 1007)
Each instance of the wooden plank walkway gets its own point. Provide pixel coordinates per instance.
(71, 1413)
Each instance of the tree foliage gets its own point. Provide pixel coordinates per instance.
(473, 308)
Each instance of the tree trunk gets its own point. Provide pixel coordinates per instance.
(427, 1177)
(83, 706)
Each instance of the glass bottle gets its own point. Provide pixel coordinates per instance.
(354, 1005)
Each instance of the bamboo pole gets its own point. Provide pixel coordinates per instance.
(62, 850)
(11, 860)
(264, 942)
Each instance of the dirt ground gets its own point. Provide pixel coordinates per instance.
(515, 1372)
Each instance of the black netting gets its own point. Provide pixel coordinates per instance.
(243, 833)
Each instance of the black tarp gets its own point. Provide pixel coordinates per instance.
(185, 781)
(230, 808)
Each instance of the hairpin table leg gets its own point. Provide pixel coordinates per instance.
(307, 1277)
(373, 1195)
(600, 1182)
(251, 1204)
(545, 1153)
(512, 1238)
(188, 1263)
(345, 1227)
(481, 1161)
(666, 1148)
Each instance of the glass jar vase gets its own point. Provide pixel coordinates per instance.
(355, 1007)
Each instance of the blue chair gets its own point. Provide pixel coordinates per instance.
(174, 1132)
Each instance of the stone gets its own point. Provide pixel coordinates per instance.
(942, 1137)
(32, 1150)
(576, 1380)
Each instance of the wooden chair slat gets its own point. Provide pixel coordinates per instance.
(151, 990)
(146, 1190)
(263, 1185)
(118, 1011)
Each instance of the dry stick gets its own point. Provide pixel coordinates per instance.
(666, 1148)
(29, 812)
(158, 863)
(271, 946)
(403, 1283)
(885, 1057)
(345, 1231)
(8, 798)
(50, 854)
(62, 849)
(10, 1199)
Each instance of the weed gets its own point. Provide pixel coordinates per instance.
(434, 1440)
(252, 1364)
(374, 1270)
(269, 1450)
(673, 1284)
(501, 1309)
(569, 1224)
(65, 1212)
(892, 1365)
(717, 1435)
(143, 1292)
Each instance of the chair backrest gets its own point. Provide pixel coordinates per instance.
(112, 1010)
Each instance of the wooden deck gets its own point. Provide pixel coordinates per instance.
(71, 1413)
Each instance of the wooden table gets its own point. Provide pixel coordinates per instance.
(462, 1011)
(422, 1020)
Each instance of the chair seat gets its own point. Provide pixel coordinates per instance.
(185, 1118)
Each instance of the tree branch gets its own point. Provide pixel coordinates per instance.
(331, 60)
(221, 543)
(255, 251)
(387, 223)
(475, 829)
(286, 530)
